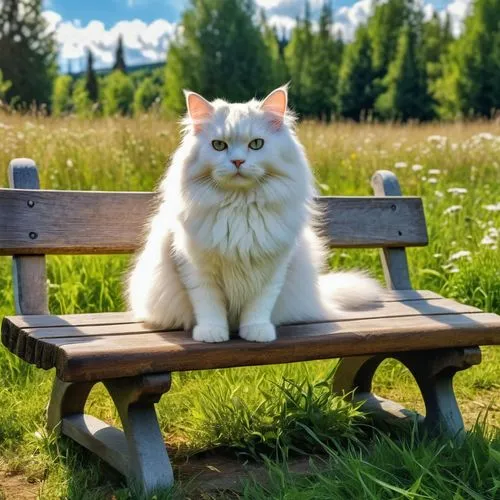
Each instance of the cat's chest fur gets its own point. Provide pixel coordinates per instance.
(239, 245)
(243, 231)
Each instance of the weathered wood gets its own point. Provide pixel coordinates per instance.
(76, 222)
(385, 310)
(16, 342)
(29, 275)
(394, 261)
(433, 371)
(111, 318)
(94, 357)
(27, 334)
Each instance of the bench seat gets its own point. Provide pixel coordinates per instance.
(90, 347)
(431, 336)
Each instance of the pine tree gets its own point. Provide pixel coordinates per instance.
(495, 74)
(384, 27)
(61, 97)
(147, 94)
(436, 41)
(277, 70)
(322, 71)
(82, 105)
(118, 94)
(356, 93)
(4, 86)
(297, 57)
(220, 53)
(27, 52)
(471, 70)
(407, 95)
(120, 57)
(91, 84)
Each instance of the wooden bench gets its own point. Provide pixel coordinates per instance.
(433, 336)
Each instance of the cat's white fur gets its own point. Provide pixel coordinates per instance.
(228, 251)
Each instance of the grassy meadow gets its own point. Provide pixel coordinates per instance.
(273, 415)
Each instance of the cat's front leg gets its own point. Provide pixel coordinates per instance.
(208, 304)
(255, 321)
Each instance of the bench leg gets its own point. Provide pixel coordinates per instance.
(138, 452)
(433, 371)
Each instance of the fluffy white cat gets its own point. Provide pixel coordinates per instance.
(232, 244)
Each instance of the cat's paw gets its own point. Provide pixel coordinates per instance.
(210, 333)
(259, 332)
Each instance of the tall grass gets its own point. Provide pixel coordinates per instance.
(276, 412)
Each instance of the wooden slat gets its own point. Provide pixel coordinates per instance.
(72, 222)
(415, 324)
(29, 277)
(24, 332)
(394, 261)
(36, 321)
(87, 222)
(81, 359)
(38, 343)
(371, 222)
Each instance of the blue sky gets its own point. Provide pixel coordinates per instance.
(112, 11)
(147, 26)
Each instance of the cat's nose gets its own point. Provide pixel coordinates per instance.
(238, 163)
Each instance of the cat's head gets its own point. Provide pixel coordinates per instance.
(242, 146)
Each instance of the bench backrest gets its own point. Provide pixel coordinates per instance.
(36, 222)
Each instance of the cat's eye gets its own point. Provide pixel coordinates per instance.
(256, 144)
(219, 145)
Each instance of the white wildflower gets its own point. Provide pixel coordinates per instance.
(439, 194)
(400, 164)
(450, 268)
(434, 171)
(484, 136)
(493, 208)
(452, 209)
(460, 255)
(493, 232)
(487, 241)
(417, 167)
(457, 190)
(69, 163)
(432, 180)
(439, 140)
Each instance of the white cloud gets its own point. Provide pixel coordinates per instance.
(144, 43)
(458, 10)
(149, 42)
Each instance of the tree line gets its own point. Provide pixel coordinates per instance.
(398, 66)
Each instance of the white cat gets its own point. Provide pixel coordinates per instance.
(232, 245)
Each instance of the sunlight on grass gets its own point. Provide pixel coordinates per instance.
(276, 412)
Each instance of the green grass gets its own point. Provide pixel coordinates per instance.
(277, 413)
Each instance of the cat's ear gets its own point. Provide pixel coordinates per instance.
(275, 104)
(199, 109)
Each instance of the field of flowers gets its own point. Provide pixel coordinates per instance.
(279, 412)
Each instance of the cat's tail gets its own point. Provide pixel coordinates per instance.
(349, 290)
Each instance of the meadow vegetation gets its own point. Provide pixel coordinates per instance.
(278, 413)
